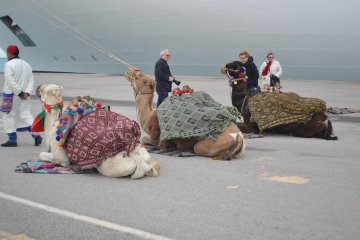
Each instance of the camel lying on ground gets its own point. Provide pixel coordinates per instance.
(137, 163)
(282, 113)
(228, 145)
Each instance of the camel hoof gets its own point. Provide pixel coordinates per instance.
(332, 138)
(155, 170)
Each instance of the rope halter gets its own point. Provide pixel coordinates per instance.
(135, 77)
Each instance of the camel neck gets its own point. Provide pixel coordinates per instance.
(144, 107)
(51, 119)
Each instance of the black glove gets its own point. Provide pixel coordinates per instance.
(176, 82)
(21, 94)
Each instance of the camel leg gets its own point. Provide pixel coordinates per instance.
(318, 126)
(235, 151)
(248, 127)
(149, 166)
(217, 150)
(46, 156)
(331, 135)
(60, 157)
(152, 126)
(137, 164)
(240, 146)
(155, 170)
(146, 140)
(117, 166)
(226, 146)
(186, 144)
(328, 132)
(312, 128)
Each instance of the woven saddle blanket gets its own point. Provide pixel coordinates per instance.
(100, 135)
(193, 115)
(274, 109)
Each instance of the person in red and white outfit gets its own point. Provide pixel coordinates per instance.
(270, 72)
(15, 106)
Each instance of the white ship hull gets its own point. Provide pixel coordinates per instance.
(313, 40)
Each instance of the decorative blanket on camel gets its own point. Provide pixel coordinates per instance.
(100, 135)
(193, 115)
(274, 109)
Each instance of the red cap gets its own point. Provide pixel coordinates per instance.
(12, 49)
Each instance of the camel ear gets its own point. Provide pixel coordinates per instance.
(223, 69)
(43, 93)
(59, 91)
(40, 89)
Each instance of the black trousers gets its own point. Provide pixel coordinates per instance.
(161, 97)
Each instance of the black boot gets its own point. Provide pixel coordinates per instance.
(9, 144)
(38, 140)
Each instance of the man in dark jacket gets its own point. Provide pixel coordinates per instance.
(163, 76)
(252, 72)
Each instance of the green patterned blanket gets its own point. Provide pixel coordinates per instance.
(274, 109)
(193, 115)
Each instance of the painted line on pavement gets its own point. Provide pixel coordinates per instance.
(86, 219)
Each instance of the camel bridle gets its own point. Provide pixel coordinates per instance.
(245, 97)
(133, 79)
(243, 104)
(140, 91)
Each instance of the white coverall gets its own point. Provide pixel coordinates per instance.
(18, 77)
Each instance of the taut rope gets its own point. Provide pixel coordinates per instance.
(82, 37)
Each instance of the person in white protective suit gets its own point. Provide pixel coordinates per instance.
(15, 106)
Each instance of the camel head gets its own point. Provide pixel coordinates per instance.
(84, 103)
(239, 86)
(87, 101)
(237, 78)
(141, 83)
(50, 94)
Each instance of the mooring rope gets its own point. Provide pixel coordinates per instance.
(82, 37)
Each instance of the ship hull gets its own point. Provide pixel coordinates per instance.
(201, 35)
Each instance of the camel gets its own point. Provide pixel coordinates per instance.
(317, 124)
(137, 163)
(229, 144)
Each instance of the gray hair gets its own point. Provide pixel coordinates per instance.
(164, 51)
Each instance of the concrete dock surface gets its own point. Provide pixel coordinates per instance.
(282, 187)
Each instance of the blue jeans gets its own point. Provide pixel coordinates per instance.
(161, 97)
(254, 90)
